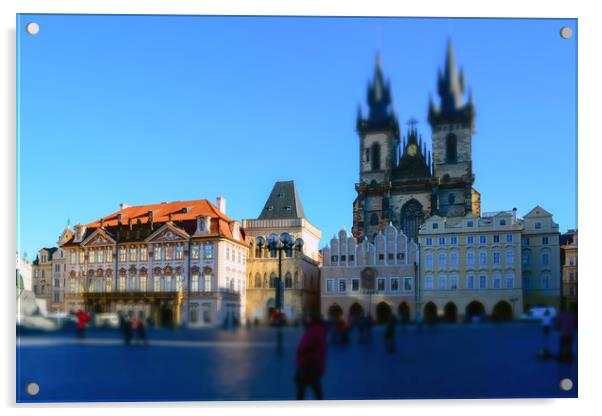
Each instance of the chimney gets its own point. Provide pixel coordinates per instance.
(221, 204)
(123, 206)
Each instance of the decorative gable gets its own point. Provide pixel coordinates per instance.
(167, 233)
(98, 238)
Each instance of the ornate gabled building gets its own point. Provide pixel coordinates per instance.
(282, 212)
(399, 183)
(172, 262)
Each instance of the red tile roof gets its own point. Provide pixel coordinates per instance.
(161, 213)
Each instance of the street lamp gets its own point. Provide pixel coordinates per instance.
(276, 245)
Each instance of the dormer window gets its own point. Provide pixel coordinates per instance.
(537, 225)
(203, 224)
(287, 208)
(502, 222)
(435, 226)
(269, 208)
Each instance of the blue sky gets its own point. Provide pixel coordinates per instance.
(145, 109)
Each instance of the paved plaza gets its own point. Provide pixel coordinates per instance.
(446, 361)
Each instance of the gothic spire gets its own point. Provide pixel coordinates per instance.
(451, 88)
(378, 97)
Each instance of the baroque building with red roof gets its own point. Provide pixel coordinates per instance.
(172, 262)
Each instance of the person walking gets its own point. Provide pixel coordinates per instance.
(546, 325)
(567, 325)
(311, 358)
(390, 334)
(126, 328)
(141, 332)
(82, 320)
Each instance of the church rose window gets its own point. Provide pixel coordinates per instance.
(412, 218)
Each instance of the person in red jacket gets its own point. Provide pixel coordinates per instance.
(82, 319)
(311, 358)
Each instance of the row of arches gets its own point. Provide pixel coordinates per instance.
(502, 311)
(383, 312)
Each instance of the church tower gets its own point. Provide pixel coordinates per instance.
(379, 144)
(452, 124)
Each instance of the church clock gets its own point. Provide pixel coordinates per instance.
(412, 150)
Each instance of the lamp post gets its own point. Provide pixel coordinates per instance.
(277, 245)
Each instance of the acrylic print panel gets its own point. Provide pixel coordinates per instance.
(271, 208)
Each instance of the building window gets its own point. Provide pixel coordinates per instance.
(195, 252)
(168, 253)
(334, 259)
(470, 281)
(509, 238)
(122, 283)
(373, 219)
(526, 259)
(454, 282)
(329, 285)
(194, 313)
(469, 224)
(441, 241)
(496, 238)
(157, 254)
(143, 282)
(502, 222)
(451, 148)
(453, 259)
(510, 281)
(482, 281)
(143, 254)
(91, 256)
(401, 256)
(179, 252)
(380, 284)
(207, 282)
(109, 284)
(545, 241)
(408, 283)
(454, 241)
(545, 282)
(288, 281)
(509, 257)
(227, 253)
(545, 259)
(157, 283)
(208, 251)
(429, 260)
(483, 258)
(351, 258)
(132, 254)
(355, 285)
(394, 284)
(375, 156)
(537, 225)
(497, 281)
(429, 283)
(122, 255)
(441, 260)
(496, 258)
(525, 241)
(100, 254)
(442, 283)
(206, 308)
(429, 242)
(342, 285)
(110, 255)
(526, 282)
(470, 258)
(482, 239)
(435, 226)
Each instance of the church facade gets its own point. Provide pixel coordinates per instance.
(401, 182)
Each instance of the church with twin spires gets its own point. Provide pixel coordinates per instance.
(402, 182)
